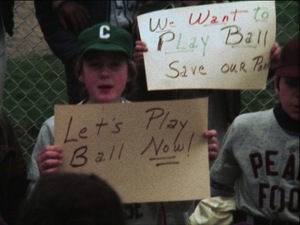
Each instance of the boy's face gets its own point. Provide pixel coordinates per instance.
(105, 75)
(288, 91)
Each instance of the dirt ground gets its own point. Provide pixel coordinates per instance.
(27, 37)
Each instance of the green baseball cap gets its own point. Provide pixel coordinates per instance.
(105, 37)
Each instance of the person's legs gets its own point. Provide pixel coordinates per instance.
(2, 61)
(74, 87)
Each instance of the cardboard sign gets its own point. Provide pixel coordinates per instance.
(151, 151)
(216, 46)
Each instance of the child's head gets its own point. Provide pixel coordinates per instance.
(287, 79)
(105, 65)
(72, 199)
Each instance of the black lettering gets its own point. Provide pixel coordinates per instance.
(100, 157)
(270, 163)
(152, 142)
(256, 163)
(262, 194)
(294, 200)
(66, 138)
(174, 69)
(100, 125)
(289, 171)
(82, 132)
(79, 157)
(118, 128)
(153, 115)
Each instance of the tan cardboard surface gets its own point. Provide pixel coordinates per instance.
(148, 152)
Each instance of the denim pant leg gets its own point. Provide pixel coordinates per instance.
(2, 61)
(74, 87)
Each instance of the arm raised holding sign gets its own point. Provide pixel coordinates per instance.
(224, 105)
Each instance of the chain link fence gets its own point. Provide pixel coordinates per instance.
(35, 79)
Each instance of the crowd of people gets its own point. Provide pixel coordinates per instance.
(254, 156)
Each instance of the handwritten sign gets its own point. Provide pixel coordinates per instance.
(147, 151)
(219, 46)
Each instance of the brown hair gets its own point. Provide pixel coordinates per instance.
(72, 199)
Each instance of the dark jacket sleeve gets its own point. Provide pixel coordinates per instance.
(63, 42)
(7, 13)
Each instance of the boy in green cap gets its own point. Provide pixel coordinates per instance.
(107, 71)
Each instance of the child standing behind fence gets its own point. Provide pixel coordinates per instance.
(106, 69)
(259, 158)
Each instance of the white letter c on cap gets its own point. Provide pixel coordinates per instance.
(103, 32)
